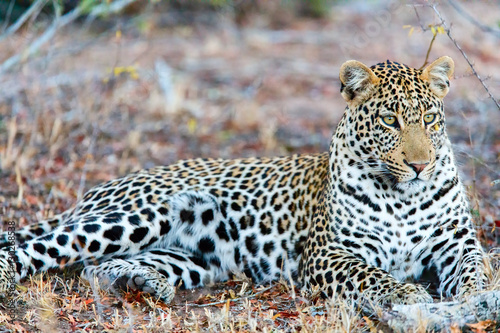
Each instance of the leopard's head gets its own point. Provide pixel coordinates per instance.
(394, 120)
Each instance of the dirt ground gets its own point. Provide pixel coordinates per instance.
(109, 96)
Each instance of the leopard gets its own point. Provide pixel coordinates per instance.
(363, 221)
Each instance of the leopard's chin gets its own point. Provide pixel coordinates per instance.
(412, 186)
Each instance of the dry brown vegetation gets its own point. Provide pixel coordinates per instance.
(155, 84)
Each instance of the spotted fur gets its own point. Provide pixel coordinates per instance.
(384, 205)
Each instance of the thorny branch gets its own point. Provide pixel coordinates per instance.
(471, 19)
(448, 32)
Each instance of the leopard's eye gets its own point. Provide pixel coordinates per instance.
(389, 120)
(429, 118)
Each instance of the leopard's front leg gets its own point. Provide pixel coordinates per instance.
(462, 267)
(341, 273)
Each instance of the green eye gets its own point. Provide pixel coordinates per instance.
(389, 120)
(429, 118)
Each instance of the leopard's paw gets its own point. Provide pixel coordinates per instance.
(408, 293)
(471, 284)
(148, 280)
(119, 276)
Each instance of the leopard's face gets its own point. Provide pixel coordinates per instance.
(395, 119)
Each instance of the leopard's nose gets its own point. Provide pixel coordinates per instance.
(418, 167)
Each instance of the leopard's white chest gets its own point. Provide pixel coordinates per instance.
(390, 230)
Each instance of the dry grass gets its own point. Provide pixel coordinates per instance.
(95, 104)
(52, 304)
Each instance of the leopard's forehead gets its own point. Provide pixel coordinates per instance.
(390, 70)
(403, 91)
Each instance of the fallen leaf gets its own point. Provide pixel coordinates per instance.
(88, 301)
(286, 314)
(455, 329)
(370, 325)
(481, 326)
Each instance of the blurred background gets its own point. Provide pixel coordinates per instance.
(91, 90)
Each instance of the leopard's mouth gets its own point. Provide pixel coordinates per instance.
(410, 186)
(415, 181)
(403, 183)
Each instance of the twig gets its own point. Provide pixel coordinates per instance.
(36, 6)
(419, 19)
(232, 299)
(424, 29)
(439, 316)
(109, 8)
(90, 153)
(474, 158)
(426, 61)
(44, 38)
(471, 19)
(19, 181)
(59, 23)
(448, 32)
(7, 16)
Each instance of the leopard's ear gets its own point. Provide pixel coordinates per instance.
(438, 74)
(358, 82)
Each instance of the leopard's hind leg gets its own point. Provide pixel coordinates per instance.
(191, 220)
